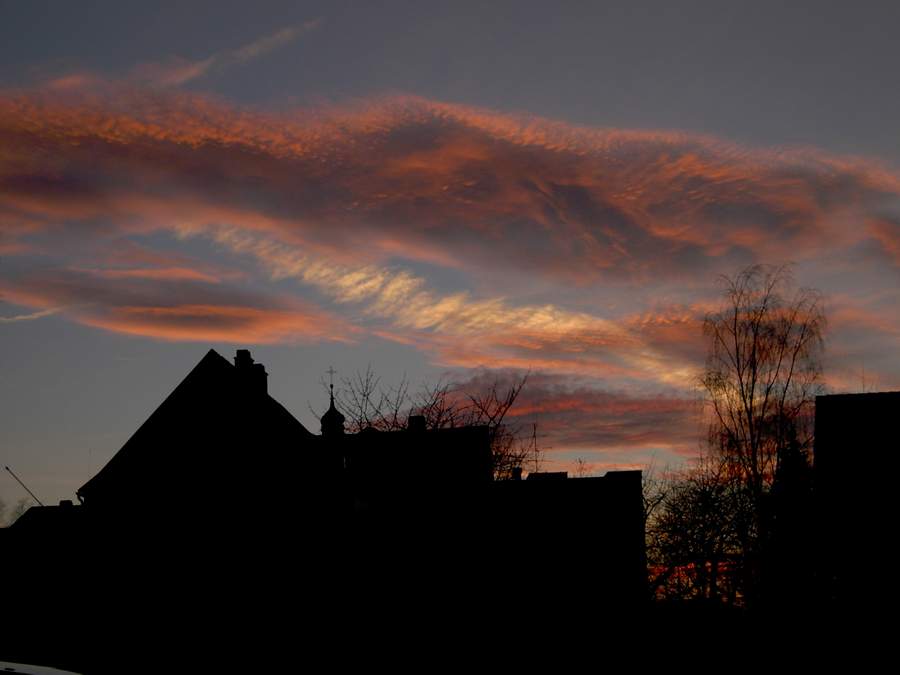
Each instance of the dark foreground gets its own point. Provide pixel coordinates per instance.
(263, 609)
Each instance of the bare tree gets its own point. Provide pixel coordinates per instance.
(367, 404)
(710, 527)
(510, 447)
(698, 524)
(763, 370)
(581, 469)
(442, 405)
(655, 489)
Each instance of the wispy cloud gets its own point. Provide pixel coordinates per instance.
(474, 236)
(492, 329)
(177, 71)
(443, 184)
(30, 317)
(578, 414)
(174, 307)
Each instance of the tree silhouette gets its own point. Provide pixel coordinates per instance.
(368, 404)
(763, 372)
(581, 468)
(698, 521)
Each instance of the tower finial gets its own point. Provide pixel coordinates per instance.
(331, 373)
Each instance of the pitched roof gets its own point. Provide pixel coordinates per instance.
(214, 416)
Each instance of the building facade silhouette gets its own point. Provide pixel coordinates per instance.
(223, 508)
(857, 446)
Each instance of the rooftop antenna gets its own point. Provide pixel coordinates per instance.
(24, 486)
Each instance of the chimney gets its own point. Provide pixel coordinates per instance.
(416, 423)
(253, 376)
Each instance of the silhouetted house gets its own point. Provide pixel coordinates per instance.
(219, 441)
(857, 447)
(220, 433)
(217, 435)
(224, 502)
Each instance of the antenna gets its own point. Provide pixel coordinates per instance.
(24, 486)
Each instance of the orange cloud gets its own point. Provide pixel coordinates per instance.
(887, 234)
(366, 205)
(169, 306)
(861, 341)
(162, 273)
(573, 414)
(434, 181)
(477, 237)
(217, 323)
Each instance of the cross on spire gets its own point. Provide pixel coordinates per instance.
(331, 373)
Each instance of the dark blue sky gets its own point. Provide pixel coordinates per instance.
(766, 72)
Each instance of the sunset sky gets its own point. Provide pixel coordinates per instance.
(459, 190)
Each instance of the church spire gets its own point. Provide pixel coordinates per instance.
(332, 420)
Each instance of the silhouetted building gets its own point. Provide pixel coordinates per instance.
(332, 421)
(585, 530)
(225, 504)
(857, 445)
(217, 435)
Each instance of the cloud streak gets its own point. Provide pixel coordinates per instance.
(176, 72)
(576, 416)
(477, 237)
(493, 330)
(168, 305)
(435, 182)
(30, 317)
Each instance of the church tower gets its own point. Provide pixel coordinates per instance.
(332, 420)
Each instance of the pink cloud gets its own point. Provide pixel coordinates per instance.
(887, 234)
(216, 323)
(434, 181)
(162, 273)
(574, 416)
(164, 305)
(345, 200)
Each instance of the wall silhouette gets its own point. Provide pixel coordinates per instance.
(855, 472)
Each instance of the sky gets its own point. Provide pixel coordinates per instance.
(461, 191)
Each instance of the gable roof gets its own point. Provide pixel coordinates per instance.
(216, 415)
